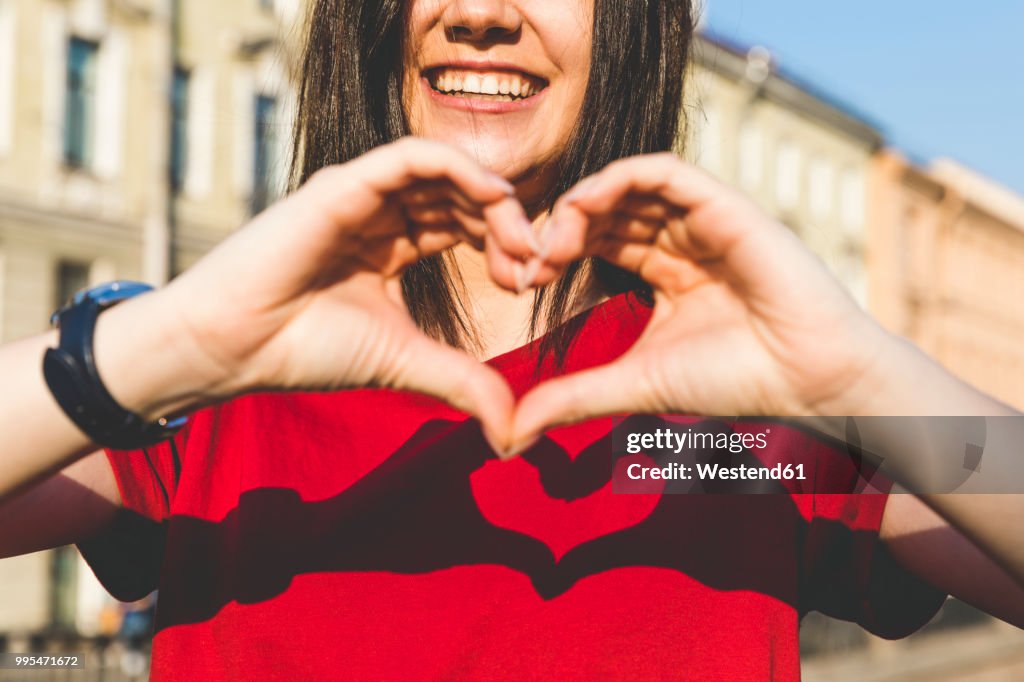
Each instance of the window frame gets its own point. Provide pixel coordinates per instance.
(79, 101)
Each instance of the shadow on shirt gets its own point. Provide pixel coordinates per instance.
(417, 513)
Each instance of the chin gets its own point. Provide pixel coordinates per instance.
(497, 154)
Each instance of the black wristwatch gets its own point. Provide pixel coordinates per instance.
(70, 372)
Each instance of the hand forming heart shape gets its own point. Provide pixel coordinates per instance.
(746, 321)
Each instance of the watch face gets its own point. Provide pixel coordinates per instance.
(112, 292)
(104, 295)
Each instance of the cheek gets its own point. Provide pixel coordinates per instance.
(418, 16)
(569, 36)
(575, 91)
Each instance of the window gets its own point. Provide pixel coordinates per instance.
(7, 72)
(80, 102)
(821, 187)
(199, 147)
(852, 199)
(179, 128)
(3, 292)
(711, 139)
(63, 574)
(751, 144)
(787, 175)
(263, 189)
(72, 277)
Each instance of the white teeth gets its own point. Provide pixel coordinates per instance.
(471, 83)
(492, 84)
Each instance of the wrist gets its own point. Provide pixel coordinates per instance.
(150, 362)
(899, 379)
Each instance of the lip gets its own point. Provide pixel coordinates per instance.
(479, 105)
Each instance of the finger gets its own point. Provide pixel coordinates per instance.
(395, 166)
(512, 230)
(629, 255)
(653, 264)
(507, 271)
(467, 384)
(564, 235)
(374, 182)
(474, 228)
(684, 187)
(631, 227)
(431, 214)
(610, 389)
(634, 217)
(537, 273)
(426, 192)
(431, 239)
(390, 255)
(432, 201)
(438, 192)
(648, 207)
(471, 187)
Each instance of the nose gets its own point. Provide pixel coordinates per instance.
(481, 21)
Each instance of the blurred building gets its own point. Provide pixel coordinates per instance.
(134, 135)
(946, 264)
(936, 254)
(802, 155)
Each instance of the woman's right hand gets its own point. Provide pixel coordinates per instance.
(308, 295)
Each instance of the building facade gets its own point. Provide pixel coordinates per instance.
(799, 154)
(946, 268)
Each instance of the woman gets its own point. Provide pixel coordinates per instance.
(304, 532)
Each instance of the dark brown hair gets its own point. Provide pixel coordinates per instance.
(350, 101)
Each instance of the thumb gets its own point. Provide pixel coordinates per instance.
(461, 381)
(611, 389)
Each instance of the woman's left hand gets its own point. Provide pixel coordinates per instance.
(746, 321)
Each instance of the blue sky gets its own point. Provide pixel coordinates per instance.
(942, 77)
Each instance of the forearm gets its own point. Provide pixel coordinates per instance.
(148, 366)
(960, 450)
(37, 437)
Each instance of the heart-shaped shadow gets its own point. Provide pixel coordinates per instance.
(441, 501)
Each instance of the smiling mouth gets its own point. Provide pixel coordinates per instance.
(494, 86)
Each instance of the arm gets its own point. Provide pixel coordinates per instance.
(147, 360)
(748, 322)
(927, 546)
(66, 508)
(927, 454)
(303, 298)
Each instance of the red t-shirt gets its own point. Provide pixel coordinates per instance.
(372, 534)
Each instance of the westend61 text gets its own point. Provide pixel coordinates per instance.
(668, 439)
(713, 472)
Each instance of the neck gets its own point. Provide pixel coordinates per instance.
(501, 317)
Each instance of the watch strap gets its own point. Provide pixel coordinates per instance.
(73, 378)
